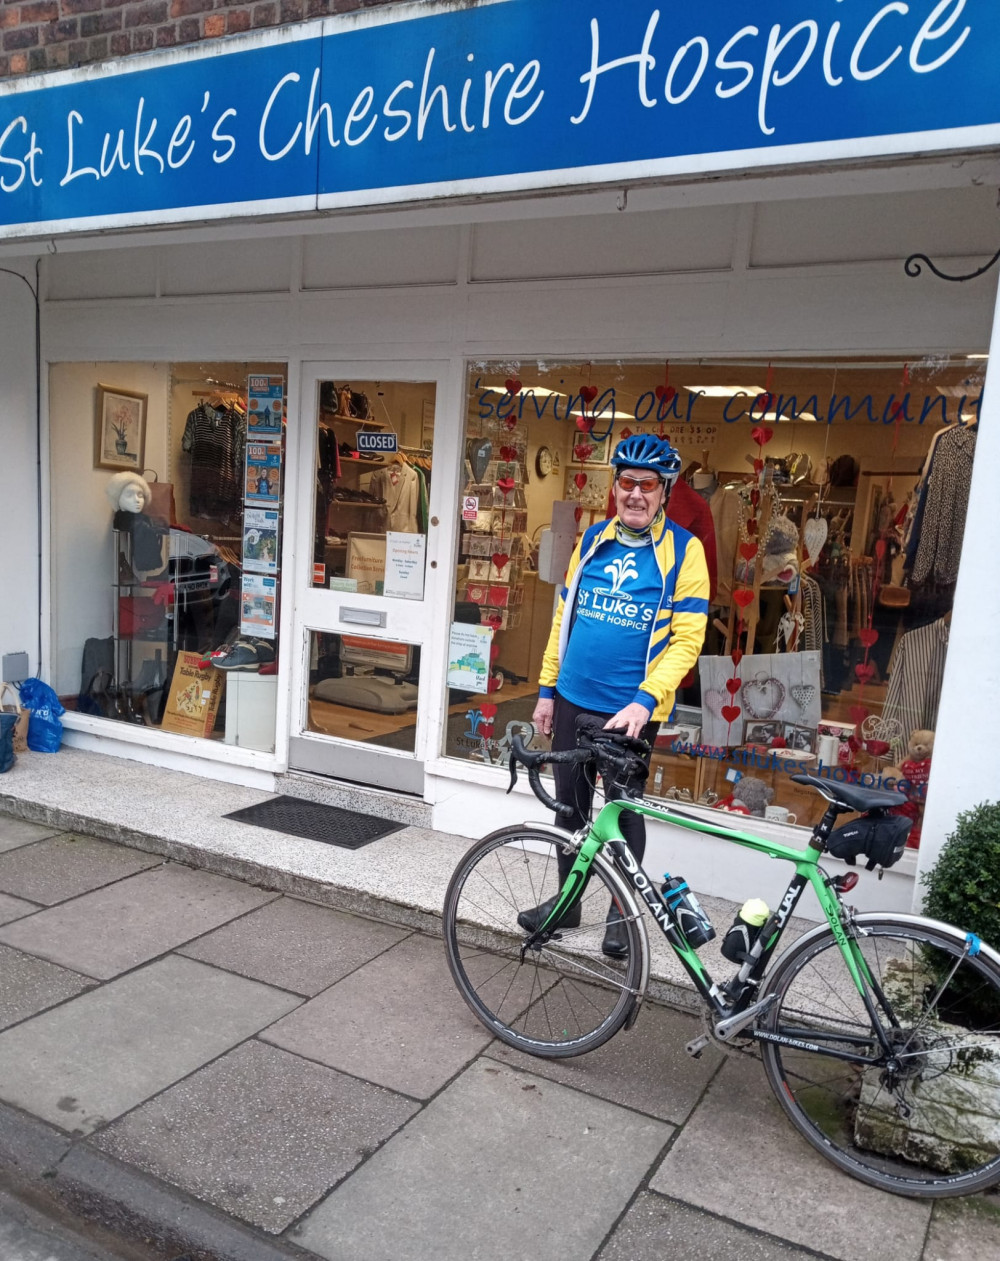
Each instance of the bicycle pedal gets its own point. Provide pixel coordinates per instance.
(695, 1047)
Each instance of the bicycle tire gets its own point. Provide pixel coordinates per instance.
(564, 998)
(948, 1052)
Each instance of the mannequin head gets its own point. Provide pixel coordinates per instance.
(128, 492)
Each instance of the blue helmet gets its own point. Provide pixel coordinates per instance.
(646, 450)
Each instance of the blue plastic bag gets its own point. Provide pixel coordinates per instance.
(44, 727)
(7, 724)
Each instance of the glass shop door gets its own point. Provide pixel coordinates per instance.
(368, 573)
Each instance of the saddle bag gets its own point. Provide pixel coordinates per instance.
(878, 837)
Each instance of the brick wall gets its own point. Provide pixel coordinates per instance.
(54, 34)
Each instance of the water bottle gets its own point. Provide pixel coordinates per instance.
(739, 940)
(692, 920)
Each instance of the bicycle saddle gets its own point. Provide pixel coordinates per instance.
(851, 796)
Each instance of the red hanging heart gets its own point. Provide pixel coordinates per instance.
(868, 636)
(758, 465)
(865, 670)
(500, 559)
(506, 484)
(737, 656)
(488, 710)
(730, 712)
(588, 393)
(743, 597)
(626, 432)
(486, 728)
(749, 550)
(755, 497)
(761, 435)
(733, 686)
(580, 479)
(858, 713)
(584, 424)
(512, 385)
(494, 620)
(879, 548)
(666, 393)
(583, 452)
(577, 514)
(763, 403)
(510, 422)
(508, 453)
(752, 525)
(494, 651)
(853, 743)
(877, 748)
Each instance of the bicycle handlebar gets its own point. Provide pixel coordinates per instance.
(613, 753)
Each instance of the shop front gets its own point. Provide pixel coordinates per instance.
(309, 486)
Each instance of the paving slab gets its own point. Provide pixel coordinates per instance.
(102, 1053)
(14, 908)
(295, 944)
(964, 1230)
(645, 1067)
(500, 1165)
(17, 832)
(260, 1133)
(655, 1228)
(739, 1157)
(113, 929)
(398, 1021)
(31, 985)
(65, 866)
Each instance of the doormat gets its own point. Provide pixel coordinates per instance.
(310, 819)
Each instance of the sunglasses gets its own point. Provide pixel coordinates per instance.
(646, 484)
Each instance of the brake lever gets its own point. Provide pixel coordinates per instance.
(513, 773)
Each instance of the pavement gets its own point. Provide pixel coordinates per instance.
(238, 1066)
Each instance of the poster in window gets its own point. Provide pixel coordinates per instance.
(258, 606)
(260, 541)
(265, 406)
(263, 473)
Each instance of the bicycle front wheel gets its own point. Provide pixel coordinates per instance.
(563, 997)
(923, 1118)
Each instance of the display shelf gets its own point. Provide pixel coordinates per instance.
(336, 418)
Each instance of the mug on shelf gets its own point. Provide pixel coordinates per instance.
(778, 814)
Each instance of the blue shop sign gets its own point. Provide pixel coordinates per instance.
(457, 98)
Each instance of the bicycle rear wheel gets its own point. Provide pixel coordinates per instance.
(923, 1120)
(564, 997)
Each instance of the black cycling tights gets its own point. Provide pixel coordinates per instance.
(573, 787)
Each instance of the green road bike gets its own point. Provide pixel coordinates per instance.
(879, 1033)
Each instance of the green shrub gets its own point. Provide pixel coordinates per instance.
(964, 888)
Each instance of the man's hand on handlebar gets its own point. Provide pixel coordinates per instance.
(542, 717)
(632, 718)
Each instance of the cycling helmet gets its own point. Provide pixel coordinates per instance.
(646, 450)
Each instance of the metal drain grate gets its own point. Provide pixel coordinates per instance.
(317, 822)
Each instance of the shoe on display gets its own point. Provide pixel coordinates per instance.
(239, 656)
(530, 920)
(615, 944)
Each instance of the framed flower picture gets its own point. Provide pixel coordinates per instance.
(120, 432)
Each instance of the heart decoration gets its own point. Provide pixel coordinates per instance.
(763, 401)
(584, 424)
(666, 393)
(500, 559)
(512, 385)
(854, 744)
(865, 671)
(577, 514)
(878, 748)
(480, 452)
(506, 484)
(858, 713)
(868, 636)
(749, 550)
(494, 620)
(507, 454)
(494, 651)
(737, 656)
(814, 536)
(733, 686)
(758, 466)
(731, 712)
(879, 548)
(580, 479)
(778, 742)
(583, 452)
(510, 422)
(588, 393)
(743, 597)
(763, 696)
(752, 525)
(716, 700)
(761, 435)
(626, 432)
(802, 694)
(486, 728)
(876, 728)
(755, 497)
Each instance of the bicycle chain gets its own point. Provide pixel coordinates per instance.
(739, 1046)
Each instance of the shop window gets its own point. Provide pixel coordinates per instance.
(830, 498)
(166, 544)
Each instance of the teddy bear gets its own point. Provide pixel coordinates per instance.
(913, 773)
(749, 796)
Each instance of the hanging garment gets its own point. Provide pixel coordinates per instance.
(725, 508)
(915, 673)
(214, 438)
(399, 487)
(939, 546)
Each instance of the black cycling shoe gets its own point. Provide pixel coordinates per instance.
(615, 944)
(531, 919)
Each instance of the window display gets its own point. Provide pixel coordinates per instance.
(829, 498)
(177, 592)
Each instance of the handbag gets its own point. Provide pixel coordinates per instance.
(891, 597)
(162, 505)
(139, 615)
(20, 729)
